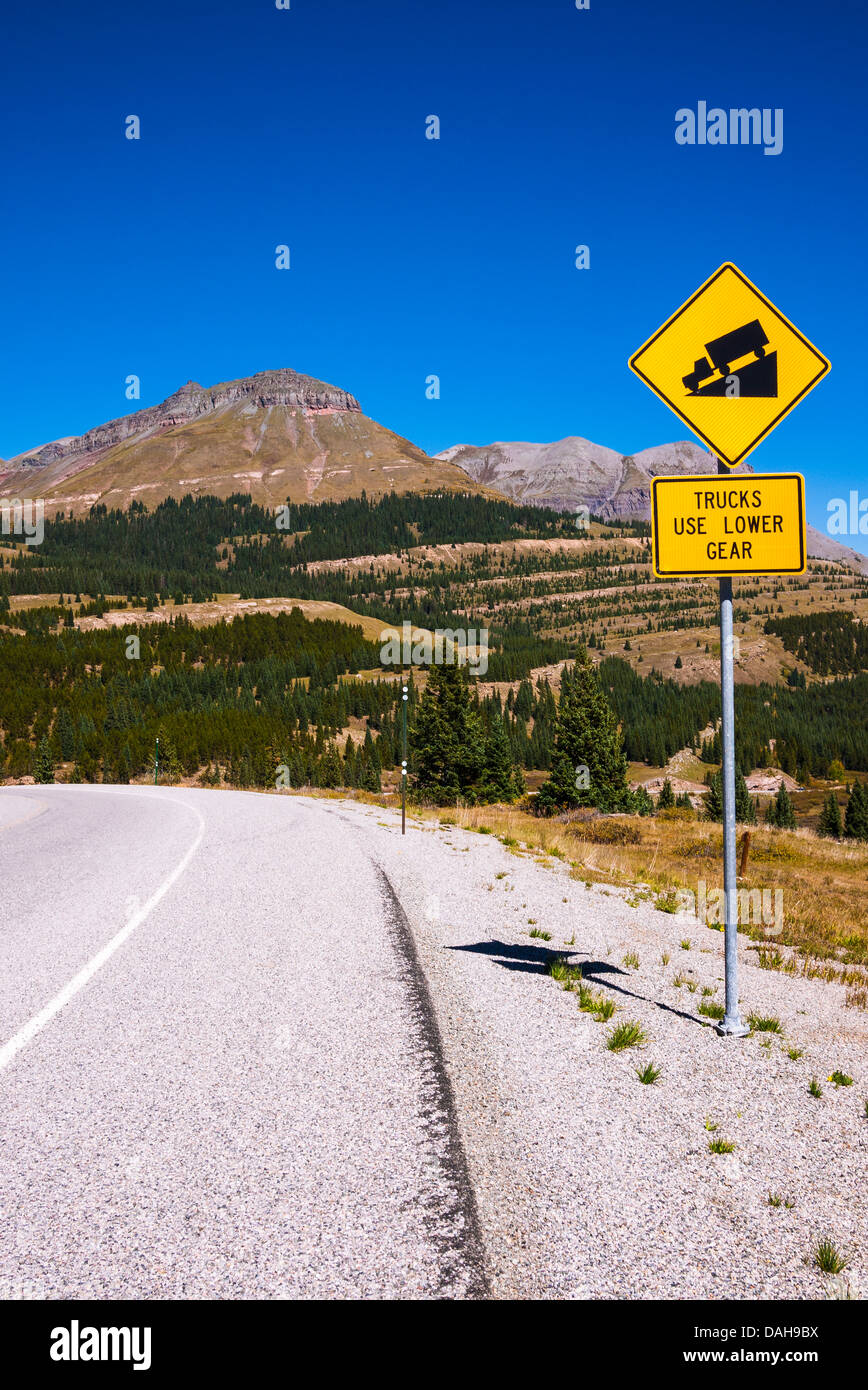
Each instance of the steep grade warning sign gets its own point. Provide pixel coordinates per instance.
(730, 364)
(728, 525)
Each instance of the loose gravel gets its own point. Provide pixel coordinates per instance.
(589, 1183)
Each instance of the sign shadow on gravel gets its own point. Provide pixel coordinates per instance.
(535, 960)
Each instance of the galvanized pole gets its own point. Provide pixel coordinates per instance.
(404, 766)
(731, 1024)
(156, 760)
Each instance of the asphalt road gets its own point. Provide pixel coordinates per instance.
(209, 1086)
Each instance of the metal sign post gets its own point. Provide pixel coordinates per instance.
(750, 367)
(731, 1024)
(404, 765)
(156, 760)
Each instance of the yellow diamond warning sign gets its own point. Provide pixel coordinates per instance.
(730, 364)
(728, 525)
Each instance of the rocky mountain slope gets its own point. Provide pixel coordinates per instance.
(282, 435)
(575, 472)
(276, 435)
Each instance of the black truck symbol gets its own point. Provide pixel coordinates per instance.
(756, 378)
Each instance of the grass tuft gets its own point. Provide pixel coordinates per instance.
(629, 1034)
(764, 1023)
(565, 973)
(841, 1078)
(604, 1010)
(668, 902)
(828, 1258)
(649, 1075)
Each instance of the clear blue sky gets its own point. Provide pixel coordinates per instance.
(411, 256)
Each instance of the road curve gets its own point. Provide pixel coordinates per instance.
(220, 1071)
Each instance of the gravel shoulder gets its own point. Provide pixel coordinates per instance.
(590, 1184)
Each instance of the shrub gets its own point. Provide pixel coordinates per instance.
(606, 832)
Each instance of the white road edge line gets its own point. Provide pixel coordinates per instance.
(69, 991)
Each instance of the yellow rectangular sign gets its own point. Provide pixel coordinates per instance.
(728, 525)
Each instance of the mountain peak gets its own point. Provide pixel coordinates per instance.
(283, 387)
(276, 435)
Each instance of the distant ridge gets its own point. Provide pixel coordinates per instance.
(575, 472)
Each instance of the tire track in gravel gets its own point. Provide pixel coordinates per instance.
(455, 1226)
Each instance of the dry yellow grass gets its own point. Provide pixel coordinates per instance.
(825, 905)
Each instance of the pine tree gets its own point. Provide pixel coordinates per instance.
(170, 769)
(587, 735)
(666, 799)
(331, 771)
(780, 812)
(830, 823)
(447, 745)
(43, 770)
(856, 815)
(501, 779)
(714, 797)
(643, 802)
(745, 809)
(65, 732)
